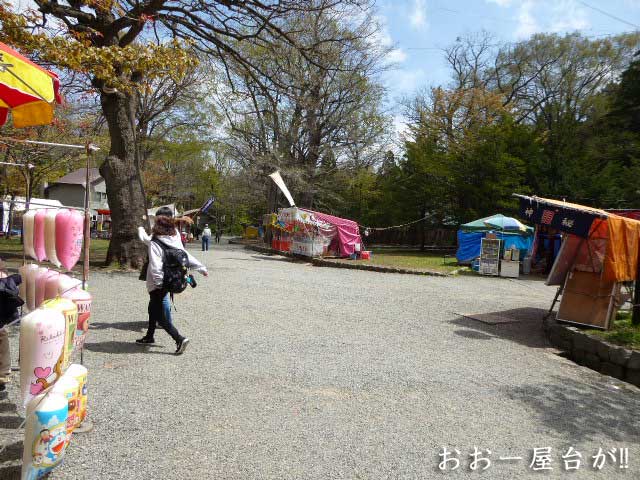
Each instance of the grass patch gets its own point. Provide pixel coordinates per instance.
(622, 333)
(413, 259)
(12, 247)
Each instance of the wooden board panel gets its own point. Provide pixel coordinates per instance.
(586, 300)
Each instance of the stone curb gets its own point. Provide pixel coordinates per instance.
(321, 262)
(595, 353)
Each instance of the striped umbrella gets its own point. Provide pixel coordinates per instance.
(26, 89)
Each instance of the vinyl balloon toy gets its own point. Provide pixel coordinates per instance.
(82, 300)
(41, 283)
(69, 233)
(39, 234)
(22, 289)
(68, 386)
(51, 285)
(41, 351)
(70, 313)
(32, 276)
(50, 236)
(45, 436)
(27, 231)
(66, 283)
(80, 374)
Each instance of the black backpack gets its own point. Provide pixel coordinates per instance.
(175, 267)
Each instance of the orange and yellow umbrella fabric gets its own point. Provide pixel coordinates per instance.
(26, 89)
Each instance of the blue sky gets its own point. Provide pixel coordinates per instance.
(419, 29)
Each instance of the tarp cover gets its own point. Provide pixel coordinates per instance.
(348, 232)
(621, 261)
(628, 213)
(622, 234)
(469, 243)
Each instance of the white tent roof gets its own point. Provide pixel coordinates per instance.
(152, 211)
(19, 206)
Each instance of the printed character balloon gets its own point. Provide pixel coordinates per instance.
(69, 232)
(82, 299)
(80, 374)
(38, 235)
(45, 438)
(51, 285)
(68, 386)
(50, 236)
(27, 233)
(41, 351)
(70, 312)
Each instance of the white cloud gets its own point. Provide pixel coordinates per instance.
(400, 125)
(501, 3)
(418, 14)
(383, 37)
(397, 55)
(568, 16)
(556, 16)
(407, 81)
(527, 24)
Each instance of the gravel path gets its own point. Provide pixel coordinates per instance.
(299, 372)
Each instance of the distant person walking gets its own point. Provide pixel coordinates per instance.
(218, 234)
(206, 236)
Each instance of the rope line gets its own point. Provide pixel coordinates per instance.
(379, 229)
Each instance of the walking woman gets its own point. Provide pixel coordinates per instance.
(164, 230)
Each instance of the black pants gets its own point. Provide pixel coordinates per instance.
(156, 315)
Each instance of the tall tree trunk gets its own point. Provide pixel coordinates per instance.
(121, 172)
(423, 228)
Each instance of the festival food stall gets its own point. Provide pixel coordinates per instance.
(599, 252)
(512, 233)
(313, 234)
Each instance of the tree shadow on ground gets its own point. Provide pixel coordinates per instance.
(8, 407)
(13, 451)
(124, 348)
(10, 472)
(10, 421)
(127, 326)
(520, 325)
(583, 410)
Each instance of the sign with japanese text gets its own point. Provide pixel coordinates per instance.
(563, 219)
(538, 459)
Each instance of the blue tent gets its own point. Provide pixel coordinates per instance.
(471, 234)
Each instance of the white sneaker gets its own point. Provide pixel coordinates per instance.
(182, 346)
